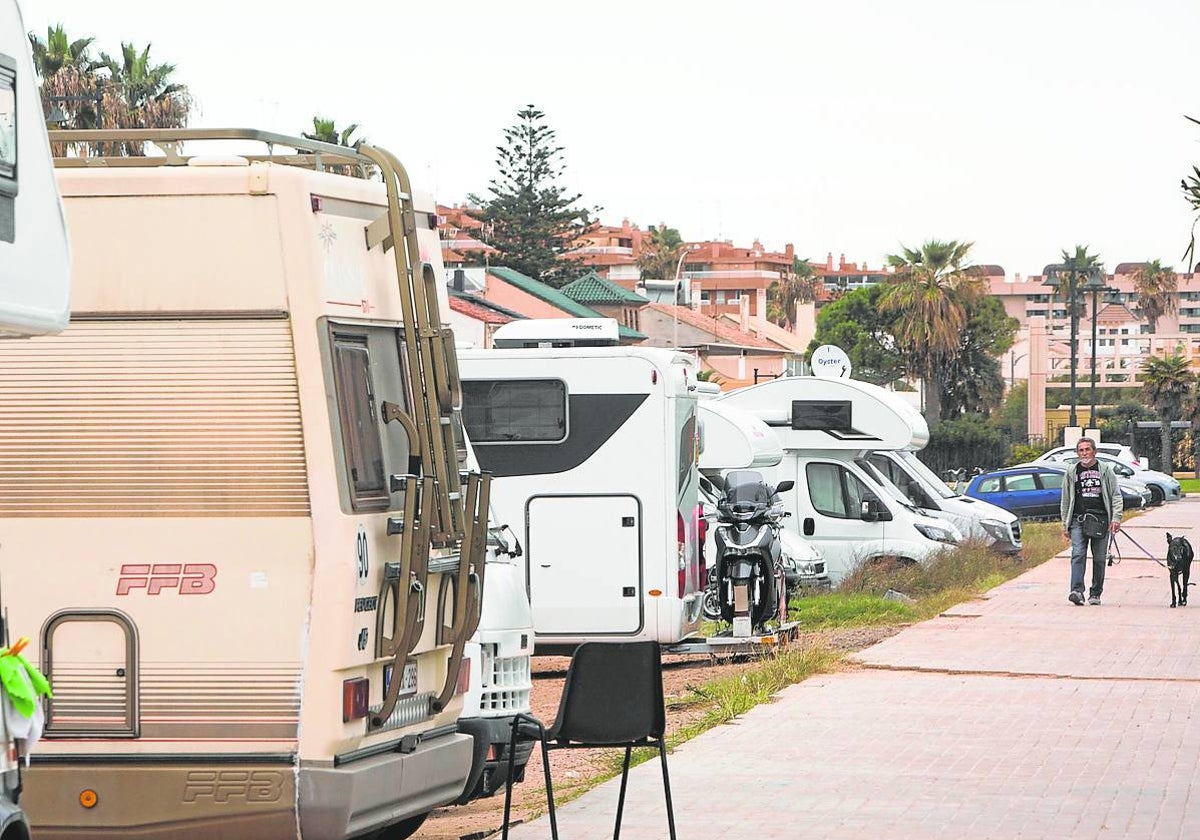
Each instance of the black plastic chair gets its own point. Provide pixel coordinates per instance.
(613, 697)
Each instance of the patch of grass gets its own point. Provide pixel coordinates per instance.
(1190, 485)
(848, 609)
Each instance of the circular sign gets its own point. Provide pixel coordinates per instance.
(830, 362)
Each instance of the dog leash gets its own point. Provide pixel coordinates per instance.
(1113, 549)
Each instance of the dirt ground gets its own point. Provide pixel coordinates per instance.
(573, 768)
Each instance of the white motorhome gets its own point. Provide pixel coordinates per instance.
(35, 262)
(827, 427)
(593, 450)
(268, 539)
(976, 518)
(732, 439)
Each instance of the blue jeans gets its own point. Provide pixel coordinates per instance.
(1079, 548)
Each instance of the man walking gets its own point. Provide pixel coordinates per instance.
(1091, 510)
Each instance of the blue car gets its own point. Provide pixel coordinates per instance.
(1033, 491)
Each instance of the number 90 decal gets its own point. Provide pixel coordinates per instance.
(364, 564)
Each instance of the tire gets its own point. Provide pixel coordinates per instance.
(1157, 496)
(402, 830)
(711, 605)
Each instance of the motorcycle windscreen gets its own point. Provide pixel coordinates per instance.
(585, 564)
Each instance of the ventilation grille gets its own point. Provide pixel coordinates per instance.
(408, 711)
(152, 418)
(506, 684)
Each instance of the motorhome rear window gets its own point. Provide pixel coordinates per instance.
(359, 416)
(515, 410)
(821, 415)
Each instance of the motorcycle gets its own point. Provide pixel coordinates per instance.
(747, 586)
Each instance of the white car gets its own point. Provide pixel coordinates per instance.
(1163, 487)
(1117, 450)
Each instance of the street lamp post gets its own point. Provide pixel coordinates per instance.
(1095, 285)
(1013, 358)
(1053, 282)
(675, 311)
(58, 117)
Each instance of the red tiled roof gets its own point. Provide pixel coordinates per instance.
(479, 313)
(722, 333)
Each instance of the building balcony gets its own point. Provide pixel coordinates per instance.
(729, 275)
(604, 249)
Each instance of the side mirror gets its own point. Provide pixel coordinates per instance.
(870, 511)
(784, 486)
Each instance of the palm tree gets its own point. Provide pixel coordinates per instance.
(1076, 267)
(710, 375)
(1156, 286)
(801, 285)
(661, 250)
(325, 131)
(148, 98)
(929, 298)
(1168, 386)
(68, 74)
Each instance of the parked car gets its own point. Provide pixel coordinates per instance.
(1117, 450)
(1033, 491)
(1163, 487)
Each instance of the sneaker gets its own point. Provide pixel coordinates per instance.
(1076, 598)
(1094, 601)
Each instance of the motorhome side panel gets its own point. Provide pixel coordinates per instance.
(592, 430)
(34, 257)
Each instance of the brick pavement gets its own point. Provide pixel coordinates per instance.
(1017, 715)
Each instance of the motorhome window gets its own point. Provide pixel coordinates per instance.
(1051, 480)
(8, 124)
(359, 416)
(515, 410)
(822, 415)
(835, 491)
(689, 444)
(1017, 483)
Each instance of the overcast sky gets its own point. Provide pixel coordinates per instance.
(851, 127)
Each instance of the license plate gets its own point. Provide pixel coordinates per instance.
(408, 679)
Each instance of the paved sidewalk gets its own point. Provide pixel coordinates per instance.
(1019, 715)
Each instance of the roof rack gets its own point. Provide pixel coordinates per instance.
(312, 154)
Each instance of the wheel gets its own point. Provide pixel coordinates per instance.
(1157, 496)
(402, 830)
(711, 605)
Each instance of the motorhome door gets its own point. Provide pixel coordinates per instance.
(585, 564)
(829, 503)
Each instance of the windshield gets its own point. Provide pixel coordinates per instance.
(746, 487)
(928, 480)
(891, 489)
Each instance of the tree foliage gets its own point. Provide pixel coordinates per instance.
(104, 92)
(531, 220)
(661, 249)
(928, 300)
(800, 285)
(969, 379)
(1190, 184)
(1169, 386)
(1156, 286)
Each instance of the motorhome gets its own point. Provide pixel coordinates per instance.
(34, 258)
(243, 463)
(34, 283)
(976, 518)
(593, 449)
(827, 428)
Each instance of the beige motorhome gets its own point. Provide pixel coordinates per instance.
(235, 500)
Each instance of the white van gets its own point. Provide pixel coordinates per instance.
(593, 451)
(976, 518)
(841, 502)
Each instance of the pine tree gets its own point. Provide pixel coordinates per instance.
(531, 221)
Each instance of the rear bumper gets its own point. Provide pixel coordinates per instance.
(374, 792)
(488, 775)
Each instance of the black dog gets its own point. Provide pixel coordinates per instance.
(1179, 564)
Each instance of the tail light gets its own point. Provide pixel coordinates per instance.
(681, 549)
(354, 698)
